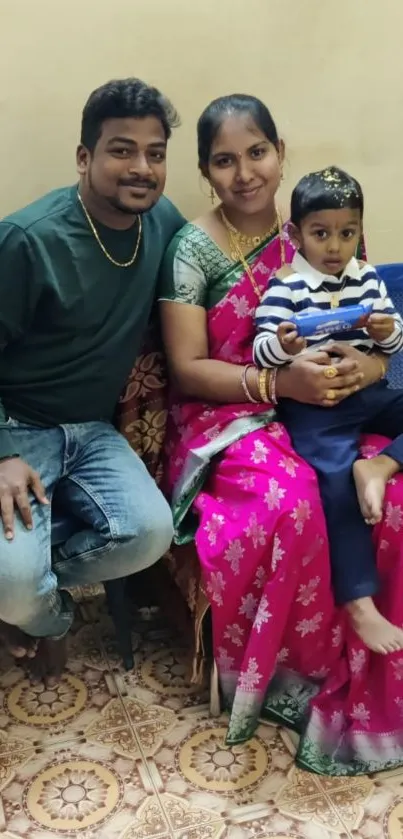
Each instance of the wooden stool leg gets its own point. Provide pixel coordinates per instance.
(215, 702)
(119, 612)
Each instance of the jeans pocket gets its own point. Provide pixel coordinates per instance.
(10, 423)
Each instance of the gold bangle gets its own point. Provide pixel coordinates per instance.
(248, 395)
(262, 385)
(272, 387)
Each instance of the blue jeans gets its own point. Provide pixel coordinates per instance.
(328, 439)
(107, 519)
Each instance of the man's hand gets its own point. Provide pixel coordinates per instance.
(380, 327)
(16, 479)
(290, 341)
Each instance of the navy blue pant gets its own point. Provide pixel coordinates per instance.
(328, 439)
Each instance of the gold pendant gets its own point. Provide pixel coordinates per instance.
(334, 301)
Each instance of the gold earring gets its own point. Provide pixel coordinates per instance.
(212, 195)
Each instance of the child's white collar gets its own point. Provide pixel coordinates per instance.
(314, 279)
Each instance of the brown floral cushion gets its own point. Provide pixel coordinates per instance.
(142, 410)
(141, 417)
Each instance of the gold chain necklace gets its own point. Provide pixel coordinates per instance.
(242, 239)
(335, 295)
(102, 246)
(236, 251)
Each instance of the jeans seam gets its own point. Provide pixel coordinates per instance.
(100, 502)
(60, 564)
(65, 456)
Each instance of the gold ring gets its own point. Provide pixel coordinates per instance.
(330, 395)
(330, 372)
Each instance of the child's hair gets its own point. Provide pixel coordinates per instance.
(329, 189)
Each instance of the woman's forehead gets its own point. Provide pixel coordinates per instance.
(237, 131)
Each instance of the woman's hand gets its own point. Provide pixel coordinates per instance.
(306, 380)
(370, 366)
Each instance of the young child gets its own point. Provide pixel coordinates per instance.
(326, 226)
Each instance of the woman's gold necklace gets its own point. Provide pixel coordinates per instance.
(102, 246)
(234, 238)
(242, 239)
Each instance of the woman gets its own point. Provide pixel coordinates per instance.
(283, 650)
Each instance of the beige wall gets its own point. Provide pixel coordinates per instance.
(331, 71)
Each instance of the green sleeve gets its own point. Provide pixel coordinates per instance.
(18, 298)
(182, 278)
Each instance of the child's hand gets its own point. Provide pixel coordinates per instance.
(380, 327)
(289, 339)
(362, 322)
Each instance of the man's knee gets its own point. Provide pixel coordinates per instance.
(150, 527)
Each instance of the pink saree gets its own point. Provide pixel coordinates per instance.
(283, 650)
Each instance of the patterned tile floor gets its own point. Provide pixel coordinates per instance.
(115, 755)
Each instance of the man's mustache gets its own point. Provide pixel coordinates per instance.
(139, 184)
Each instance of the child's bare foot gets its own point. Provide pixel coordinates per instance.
(371, 477)
(377, 633)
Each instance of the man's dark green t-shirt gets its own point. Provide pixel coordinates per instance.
(71, 322)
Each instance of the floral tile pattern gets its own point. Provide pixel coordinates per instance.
(115, 755)
(84, 791)
(38, 716)
(326, 802)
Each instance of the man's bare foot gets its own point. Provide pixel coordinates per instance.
(377, 633)
(17, 642)
(49, 662)
(371, 477)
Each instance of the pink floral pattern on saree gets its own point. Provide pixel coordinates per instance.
(282, 648)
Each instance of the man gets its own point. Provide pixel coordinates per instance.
(78, 270)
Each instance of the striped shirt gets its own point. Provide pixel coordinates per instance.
(304, 291)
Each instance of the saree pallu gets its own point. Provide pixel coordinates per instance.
(283, 650)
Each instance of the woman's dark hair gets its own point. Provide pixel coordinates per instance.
(220, 109)
(125, 98)
(329, 189)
